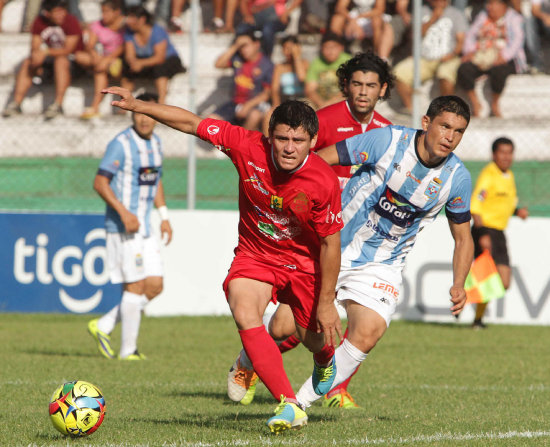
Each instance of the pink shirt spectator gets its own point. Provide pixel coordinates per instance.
(108, 38)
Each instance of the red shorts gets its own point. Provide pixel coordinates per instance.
(297, 289)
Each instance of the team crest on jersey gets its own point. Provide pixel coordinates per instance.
(433, 189)
(276, 203)
(300, 204)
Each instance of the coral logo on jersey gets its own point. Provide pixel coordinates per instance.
(276, 203)
(433, 189)
(212, 129)
(148, 175)
(363, 156)
(396, 208)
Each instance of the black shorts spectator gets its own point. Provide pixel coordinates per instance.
(168, 69)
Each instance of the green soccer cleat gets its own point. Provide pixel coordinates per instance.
(323, 377)
(241, 383)
(103, 340)
(135, 356)
(287, 415)
(342, 399)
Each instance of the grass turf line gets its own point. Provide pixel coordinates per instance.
(424, 385)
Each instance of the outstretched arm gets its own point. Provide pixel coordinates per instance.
(172, 116)
(462, 261)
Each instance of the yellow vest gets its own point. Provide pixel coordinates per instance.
(494, 197)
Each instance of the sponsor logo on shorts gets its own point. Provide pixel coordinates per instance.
(396, 208)
(433, 189)
(385, 287)
(212, 129)
(148, 176)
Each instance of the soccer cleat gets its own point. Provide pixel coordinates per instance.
(478, 324)
(103, 340)
(52, 111)
(135, 356)
(287, 415)
(342, 399)
(241, 383)
(323, 378)
(12, 109)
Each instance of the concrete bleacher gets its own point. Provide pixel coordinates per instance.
(523, 104)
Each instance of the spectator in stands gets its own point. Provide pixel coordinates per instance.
(493, 46)
(224, 16)
(56, 37)
(363, 20)
(148, 52)
(252, 76)
(104, 49)
(537, 26)
(443, 30)
(288, 77)
(269, 17)
(321, 80)
(315, 16)
(400, 21)
(168, 12)
(494, 201)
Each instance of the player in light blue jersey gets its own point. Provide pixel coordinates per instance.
(129, 181)
(407, 176)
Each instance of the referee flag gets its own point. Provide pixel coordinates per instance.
(483, 282)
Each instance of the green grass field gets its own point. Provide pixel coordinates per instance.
(424, 385)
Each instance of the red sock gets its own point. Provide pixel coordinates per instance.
(345, 383)
(324, 356)
(290, 343)
(267, 361)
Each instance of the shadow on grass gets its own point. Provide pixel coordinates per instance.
(452, 325)
(60, 353)
(258, 399)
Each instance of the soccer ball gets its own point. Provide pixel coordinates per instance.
(77, 408)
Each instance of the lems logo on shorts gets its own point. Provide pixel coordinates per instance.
(212, 129)
(396, 208)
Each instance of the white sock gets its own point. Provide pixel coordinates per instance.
(108, 321)
(347, 358)
(130, 314)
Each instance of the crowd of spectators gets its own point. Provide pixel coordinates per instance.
(462, 40)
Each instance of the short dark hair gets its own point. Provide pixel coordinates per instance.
(329, 36)
(113, 4)
(48, 5)
(148, 97)
(254, 34)
(139, 12)
(501, 140)
(366, 62)
(295, 114)
(290, 38)
(450, 103)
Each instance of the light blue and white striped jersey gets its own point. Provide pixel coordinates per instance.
(393, 195)
(134, 166)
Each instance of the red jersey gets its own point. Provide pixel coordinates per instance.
(336, 123)
(282, 215)
(54, 36)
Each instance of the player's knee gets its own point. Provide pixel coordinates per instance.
(365, 338)
(153, 288)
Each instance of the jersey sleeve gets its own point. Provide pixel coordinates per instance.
(457, 208)
(480, 191)
(327, 213)
(364, 148)
(158, 34)
(112, 160)
(226, 137)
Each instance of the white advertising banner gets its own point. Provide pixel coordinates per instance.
(200, 254)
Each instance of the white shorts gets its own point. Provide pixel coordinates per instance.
(375, 286)
(132, 257)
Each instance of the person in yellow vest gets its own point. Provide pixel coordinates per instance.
(494, 201)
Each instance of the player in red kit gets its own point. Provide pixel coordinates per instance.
(363, 80)
(289, 239)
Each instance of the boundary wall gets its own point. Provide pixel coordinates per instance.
(55, 263)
